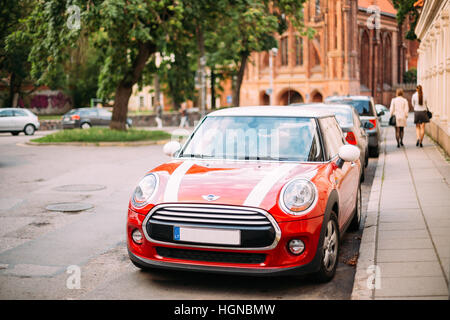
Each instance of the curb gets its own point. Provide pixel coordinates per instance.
(99, 144)
(367, 248)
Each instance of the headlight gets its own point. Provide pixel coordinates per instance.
(145, 190)
(298, 196)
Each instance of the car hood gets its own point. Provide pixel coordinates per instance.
(247, 183)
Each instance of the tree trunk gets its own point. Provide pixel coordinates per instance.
(239, 78)
(14, 87)
(213, 89)
(201, 68)
(125, 87)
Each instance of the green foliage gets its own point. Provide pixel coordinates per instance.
(14, 45)
(405, 8)
(102, 135)
(410, 76)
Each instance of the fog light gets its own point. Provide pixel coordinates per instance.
(137, 236)
(296, 246)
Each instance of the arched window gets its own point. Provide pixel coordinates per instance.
(387, 60)
(364, 60)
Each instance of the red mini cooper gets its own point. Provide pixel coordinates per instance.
(254, 190)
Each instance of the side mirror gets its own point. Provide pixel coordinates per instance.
(381, 113)
(368, 125)
(172, 147)
(348, 153)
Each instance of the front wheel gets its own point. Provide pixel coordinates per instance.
(374, 151)
(330, 251)
(354, 225)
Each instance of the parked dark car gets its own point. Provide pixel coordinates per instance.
(351, 126)
(88, 117)
(367, 113)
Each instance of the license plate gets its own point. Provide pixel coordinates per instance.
(207, 235)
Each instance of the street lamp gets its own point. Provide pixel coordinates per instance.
(272, 53)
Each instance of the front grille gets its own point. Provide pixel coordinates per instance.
(216, 215)
(257, 231)
(211, 256)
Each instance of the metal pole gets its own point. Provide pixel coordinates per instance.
(271, 76)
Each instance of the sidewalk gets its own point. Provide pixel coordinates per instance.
(405, 247)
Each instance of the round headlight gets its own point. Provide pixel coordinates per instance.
(298, 196)
(145, 190)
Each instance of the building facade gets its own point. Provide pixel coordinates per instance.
(354, 51)
(434, 66)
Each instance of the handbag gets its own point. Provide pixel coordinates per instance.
(429, 113)
(392, 120)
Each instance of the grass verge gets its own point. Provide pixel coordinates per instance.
(103, 135)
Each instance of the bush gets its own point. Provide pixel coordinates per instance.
(103, 135)
(410, 76)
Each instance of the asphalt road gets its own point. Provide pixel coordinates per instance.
(37, 246)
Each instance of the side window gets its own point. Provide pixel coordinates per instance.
(20, 113)
(6, 113)
(332, 137)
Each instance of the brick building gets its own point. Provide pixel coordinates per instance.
(346, 56)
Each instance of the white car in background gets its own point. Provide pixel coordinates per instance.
(16, 120)
(383, 114)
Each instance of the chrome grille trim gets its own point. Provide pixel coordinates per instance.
(206, 215)
(254, 217)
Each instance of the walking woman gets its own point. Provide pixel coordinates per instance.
(399, 109)
(420, 114)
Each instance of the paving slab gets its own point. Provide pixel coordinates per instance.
(410, 269)
(412, 286)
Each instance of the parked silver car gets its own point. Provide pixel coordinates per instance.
(366, 109)
(353, 129)
(383, 114)
(16, 120)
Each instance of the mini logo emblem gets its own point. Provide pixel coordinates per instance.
(211, 197)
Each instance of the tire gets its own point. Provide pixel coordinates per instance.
(29, 129)
(356, 220)
(85, 125)
(330, 253)
(374, 151)
(15, 133)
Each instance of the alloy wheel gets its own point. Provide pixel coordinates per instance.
(330, 246)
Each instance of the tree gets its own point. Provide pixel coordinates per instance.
(132, 31)
(250, 26)
(406, 8)
(14, 47)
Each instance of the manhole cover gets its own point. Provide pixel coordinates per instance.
(80, 187)
(69, 207)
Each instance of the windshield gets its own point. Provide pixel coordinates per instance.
(362, 106)
(254, 138)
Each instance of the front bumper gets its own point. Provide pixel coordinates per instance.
(308, 268)
(277, 260)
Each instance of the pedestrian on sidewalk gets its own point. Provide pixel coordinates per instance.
(420, 114)
(399, 109)
(184, 116)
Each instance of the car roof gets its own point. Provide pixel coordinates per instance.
(271, 111)
(349, 98)
(328, 106)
